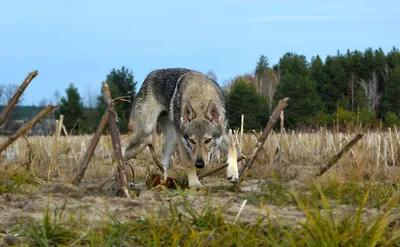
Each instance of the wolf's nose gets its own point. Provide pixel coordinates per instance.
(199, 163)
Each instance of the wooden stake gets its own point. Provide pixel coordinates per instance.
(112, 124)
(26, 127)
(17, 95)
(261, 140)
(54, 160)
(337, 156)
(282, 116)
(211, 171)
(70, 144)
(84, 162)
(241, 134)
(391, 147)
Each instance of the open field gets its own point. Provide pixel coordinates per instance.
(354, 203)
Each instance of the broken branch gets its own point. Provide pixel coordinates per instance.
(112, 124)
(84, 162)
(261, 140)
(17, 95)
(26, 127)
(208, 173)
(337, 156)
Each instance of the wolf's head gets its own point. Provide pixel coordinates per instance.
(201, 134)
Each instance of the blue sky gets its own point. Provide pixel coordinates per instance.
(81, 41)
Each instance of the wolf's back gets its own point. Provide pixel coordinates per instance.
(162, 84)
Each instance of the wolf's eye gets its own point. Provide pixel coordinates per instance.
(208, 140)
(192, 141)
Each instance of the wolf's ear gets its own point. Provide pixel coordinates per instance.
(212, 113)
(188, 113)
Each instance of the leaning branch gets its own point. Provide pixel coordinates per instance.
(208, 173)
(337, 156)
(17, 95)
(84, 162)
(261, 140)
(26, 127)
(112, 124)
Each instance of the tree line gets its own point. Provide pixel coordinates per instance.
(350, 89)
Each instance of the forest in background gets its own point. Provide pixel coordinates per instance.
(353, 89)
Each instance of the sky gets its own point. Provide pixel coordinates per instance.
(82, 41)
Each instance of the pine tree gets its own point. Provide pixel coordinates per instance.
(317, 73)
(391, 98)
(243, 99)
(122, 83)
(294, 64)
(304, 103)
(393, 58)
(334, 88)
(72, 109)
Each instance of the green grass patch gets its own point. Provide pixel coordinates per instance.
(183, 224)
(15, 181)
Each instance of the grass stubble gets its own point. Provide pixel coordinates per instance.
(355, 204)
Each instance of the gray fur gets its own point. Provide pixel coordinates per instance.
(160, 103)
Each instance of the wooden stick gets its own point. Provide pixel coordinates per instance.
(70, 145)
(261, 140)
(153, 155)
(129, 156)
(84, 162)
(26, 127)
(337, 156)
(241, 134)
(208, 173)
(112, 124)
(391, 147)
(282, 116)
(54, 159)
(17, 95)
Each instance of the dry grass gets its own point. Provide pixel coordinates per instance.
(355, 203)
(292, 155)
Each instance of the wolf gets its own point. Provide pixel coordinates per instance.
(189, 109)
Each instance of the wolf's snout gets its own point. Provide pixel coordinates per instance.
(199, 163)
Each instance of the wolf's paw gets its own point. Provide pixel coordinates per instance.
(195, 185)
(232, 176)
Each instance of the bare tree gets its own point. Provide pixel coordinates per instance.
(9, 91)
(270, 82)
(90, 96)
(2, 88)
(248, 78)
(370, 87)
(57, 96)
(43, 102)
(261, 72)
(6, 93)
(211, 74)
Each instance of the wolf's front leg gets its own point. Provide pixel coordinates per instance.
(194, 182)
(232, 171)
(228, 146)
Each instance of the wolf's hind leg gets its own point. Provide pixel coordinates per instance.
(141, 125)
(170, 141)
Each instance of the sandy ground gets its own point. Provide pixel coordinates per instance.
(95, 204)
